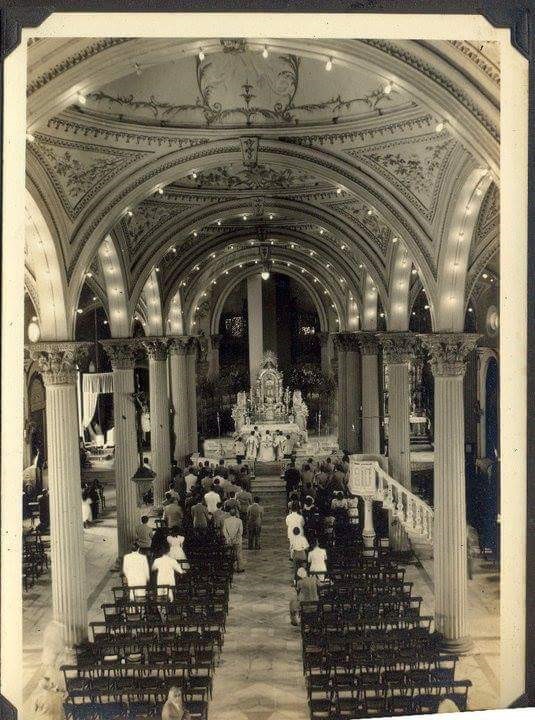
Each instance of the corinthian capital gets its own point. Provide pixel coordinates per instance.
(368, 342)
(179, 344)
(122, 352)
(156, 347)
(59, 361)
(448, 352)
(398, 347)
(347, 342)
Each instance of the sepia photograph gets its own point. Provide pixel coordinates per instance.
(271, 466)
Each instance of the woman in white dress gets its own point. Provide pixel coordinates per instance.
(267, 452)
(86, 509)
(176, 549)
(166, 567)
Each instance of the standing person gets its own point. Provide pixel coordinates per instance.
(176, 547)
(95, 501)
(144, 535)
(173, 709)
(244, 499)
(100, 490)
(239, 450)
(87, 515)
(190, 479)
(200, 517)
(218, 518)
(212, 498)
(294, 519)
(232, 535)
(251, 446)
(292, 478)
(298, 548)
(172, 514)
(306, 591)
(136, 571)
(255, 514)
(317, 561)
(166, 569)
(44, 511)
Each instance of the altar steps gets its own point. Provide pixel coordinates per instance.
(264, 484)
(267, 468)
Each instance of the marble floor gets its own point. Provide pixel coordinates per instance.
(260, 674)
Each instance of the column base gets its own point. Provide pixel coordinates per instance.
(368, 539)
(458, 646)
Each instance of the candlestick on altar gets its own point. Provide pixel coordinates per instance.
(218, 425)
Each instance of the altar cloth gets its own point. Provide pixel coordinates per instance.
(287, 428)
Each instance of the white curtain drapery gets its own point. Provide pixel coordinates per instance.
(92, 385)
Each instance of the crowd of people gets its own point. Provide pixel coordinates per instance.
(204, 505)
(320, 509)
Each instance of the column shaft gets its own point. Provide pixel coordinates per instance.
(179, 394)
(399, 457)
(192, 399)
(69, 595)
(353, 400)
(371, 442)
(126, 457)
(255, 324)
(159, 428)
(342, 399)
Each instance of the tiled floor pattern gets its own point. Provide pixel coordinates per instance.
(260, 676)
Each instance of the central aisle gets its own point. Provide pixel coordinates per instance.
(260, 676)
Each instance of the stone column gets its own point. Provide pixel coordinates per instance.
(57, 362)
(192, 394)
(342, 392)
(354, 382)
(325, 340)
(213, 357)
(368, 531)
(179, 349)
(160, 445)
(371, 432)
(398, 349)
(448, 352)
(255, 327)
(122, 354)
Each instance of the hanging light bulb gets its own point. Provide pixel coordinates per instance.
(265, 53)
(34, 332)
(201, 55)
(29, 137)
(388, 87)
(329, 65)
(439, 127)
(265, 274)
(81, 98)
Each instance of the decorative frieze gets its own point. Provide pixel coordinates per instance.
(448, 352)
(368, 343)
(157, 347)
(179, 344)
(58, 361)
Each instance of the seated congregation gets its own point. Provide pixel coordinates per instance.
(367, 649)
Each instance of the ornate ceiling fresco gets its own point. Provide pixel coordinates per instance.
(241, 88)
(173, 145)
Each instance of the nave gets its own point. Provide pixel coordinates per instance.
(259, 674)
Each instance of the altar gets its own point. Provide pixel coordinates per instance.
(269, 407)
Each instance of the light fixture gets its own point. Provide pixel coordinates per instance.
(104, 322)
(271, 216)
(201, 55)
(29, 137)
(79, 311)
(194, 174)
(195, 233)
(370, 211)
(34, 332)
(244, 217)
(157, 269)
(265, 274)
(160, 190)
(173, 249)
(129, 213)
(414, 271)
(470, 310)
(219, 222)
(361, 266)
(343, 247)
(426, 307)
(89, 274)
(395, 239)
(81, 98)
(388, 87)
(327, 266)
(413, 313)
(439, 127)
(212, 255)
(484, 276)
(381, 314)
(322, 231)
(265, 53)
(338, 190)
(94, 298)
(329, 65)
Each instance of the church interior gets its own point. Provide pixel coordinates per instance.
(269, 265)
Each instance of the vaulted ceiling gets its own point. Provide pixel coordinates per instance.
(355, 161)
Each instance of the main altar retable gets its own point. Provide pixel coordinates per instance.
(270, 406)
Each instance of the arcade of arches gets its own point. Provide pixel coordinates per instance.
(192, 205)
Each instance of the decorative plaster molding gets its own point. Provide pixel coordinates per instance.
(156, 347)
(122, 352)
(399, 348)
(483, 63)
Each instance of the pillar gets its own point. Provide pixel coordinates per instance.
(122, 354)
(342, 393)
(353, 383)
(255, 325)
(371, 433)
(448, 353)
(57, 363)
(213, 356)
(178, 360)
(368, 531)
(398, 349)
(326, 352)
(160, 445)
(192, 394)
